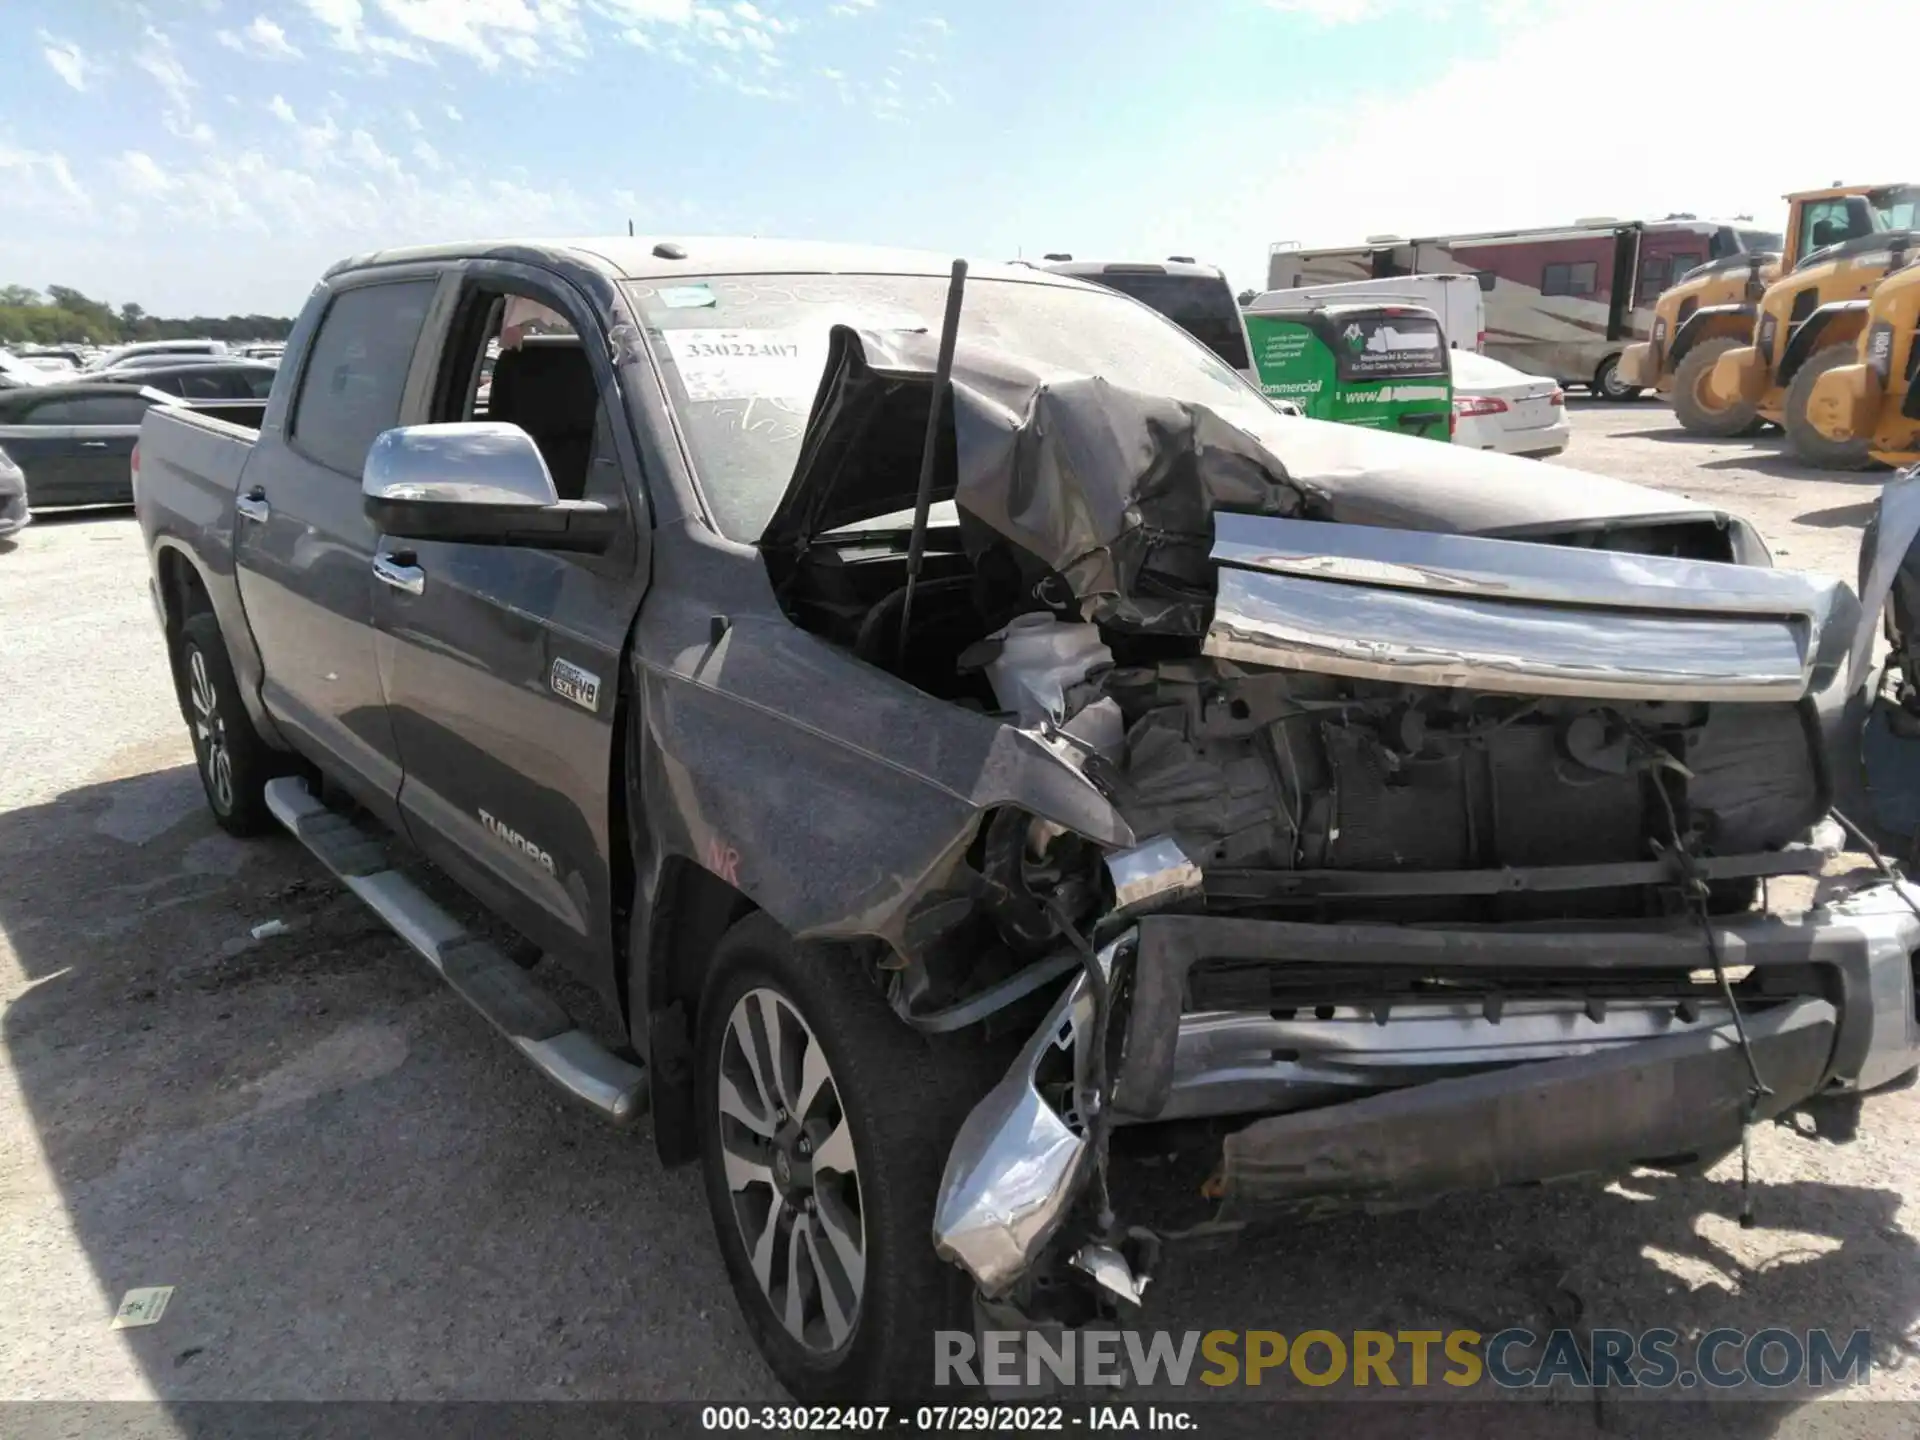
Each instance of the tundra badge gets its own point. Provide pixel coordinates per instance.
(580, 686)
(512, 838)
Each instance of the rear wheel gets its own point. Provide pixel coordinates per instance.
(1607, 383)
(824, 1125)
(1695, 407)
(234, 762)
(1805, 439)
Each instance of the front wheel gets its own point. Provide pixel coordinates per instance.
(1608, 385)
(1694, 405)
(1802, 435)
(234, 762)
(824, 1125)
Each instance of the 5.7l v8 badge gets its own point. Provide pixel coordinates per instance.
(582, 687)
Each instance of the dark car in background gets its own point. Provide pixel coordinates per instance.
(201, 379)
(75, 441)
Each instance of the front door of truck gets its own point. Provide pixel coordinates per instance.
(304, 547)
(500, 664)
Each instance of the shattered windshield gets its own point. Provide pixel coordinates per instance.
(743, 356)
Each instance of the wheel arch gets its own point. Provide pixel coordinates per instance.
(688, 914)
(1834, 323)
(1709, 321)
(180, 588)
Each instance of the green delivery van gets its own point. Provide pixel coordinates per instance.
(1381, 366)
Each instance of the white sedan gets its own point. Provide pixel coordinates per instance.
(1496, 407)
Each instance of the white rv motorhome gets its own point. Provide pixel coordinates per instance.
(1563, 301)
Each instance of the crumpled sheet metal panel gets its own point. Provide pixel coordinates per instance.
(1086, 479)
(1528, 648)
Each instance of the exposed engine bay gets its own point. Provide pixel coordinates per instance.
(1449, 808)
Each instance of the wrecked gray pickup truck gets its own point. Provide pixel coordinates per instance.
(1381, 820)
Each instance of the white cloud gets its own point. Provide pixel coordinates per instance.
(342, 17)
(282, 111)
(1331, 12)
(646, 12)
(851, 7)
(411, 121)
(156, 56)
(453, 114)
(39, 181)
(263, 39)
(936, 23)
(427, 155)
(68, 60)
(141, 173)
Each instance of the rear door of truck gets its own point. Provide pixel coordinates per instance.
(303, 544)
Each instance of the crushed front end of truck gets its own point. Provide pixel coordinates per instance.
(1454, 788)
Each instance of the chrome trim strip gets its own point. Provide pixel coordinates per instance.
(1419, 638)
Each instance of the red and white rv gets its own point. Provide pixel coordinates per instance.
(1563, 300)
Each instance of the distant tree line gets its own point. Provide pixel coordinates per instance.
(63, 315)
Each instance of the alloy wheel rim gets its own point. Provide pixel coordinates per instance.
(210, 731)
(792, 1176)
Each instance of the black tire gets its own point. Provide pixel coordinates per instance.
(1807, 442)
(1697, 414)
(901, 1103)
(1608, 385)
(234, 762)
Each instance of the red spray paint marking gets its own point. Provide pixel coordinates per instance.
(724, 861)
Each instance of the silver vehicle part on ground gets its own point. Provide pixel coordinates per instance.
(1014, 1168)
(1109, 1269)
(1016, 1164)
(1455, 610)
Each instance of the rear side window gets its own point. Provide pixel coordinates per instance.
(259, 386)
(1377, 345)
(355, 372)
(1565, 279)
(218, 385)
(1200, 305)
(91, 410)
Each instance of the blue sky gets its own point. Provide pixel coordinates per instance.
(214, 155)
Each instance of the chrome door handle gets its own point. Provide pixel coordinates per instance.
(93, 444)
(253, 506)
(389, 570)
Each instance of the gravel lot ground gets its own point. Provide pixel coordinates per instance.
(360, 1193)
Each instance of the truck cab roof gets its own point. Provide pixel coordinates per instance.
(644, 257)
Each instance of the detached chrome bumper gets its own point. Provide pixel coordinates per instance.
(1450, 1095)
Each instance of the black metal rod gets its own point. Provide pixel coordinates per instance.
(929, 452)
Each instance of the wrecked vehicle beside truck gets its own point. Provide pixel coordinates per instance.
(951, 749)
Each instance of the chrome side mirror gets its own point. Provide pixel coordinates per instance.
(481, 482)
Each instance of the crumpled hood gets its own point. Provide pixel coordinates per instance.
(1113, 490)
(1372, 477)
